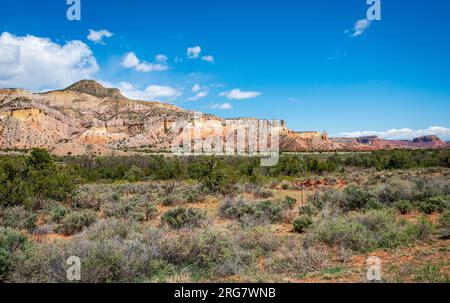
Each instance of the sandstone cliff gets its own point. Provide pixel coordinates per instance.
(87, 117)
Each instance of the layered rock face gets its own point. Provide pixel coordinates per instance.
(89, 118)
(84, 116)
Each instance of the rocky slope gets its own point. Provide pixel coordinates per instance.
(89, 118)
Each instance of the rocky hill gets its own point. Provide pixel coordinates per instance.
(87, 117)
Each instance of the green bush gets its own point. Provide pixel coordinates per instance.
(261, 193)
(219, 177)
(57, 212)
(444, 225)
(290, 202)
(75, 222)
(344, 233)
(150, 211)
(14, 188)
(120, 208)
(258, 212)
(307, 209)
(11, 241)
(183, 217)
(434, 204)
(18, 218)
(24, 179)
(356, 198)
(210, 251)
(302, 223)
(404, 207)
(368, 231)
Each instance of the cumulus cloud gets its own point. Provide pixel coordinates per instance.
(161, 58)
(199, 95)
(130, 60)
(151, 92)
(208, 58)
(237, 94)
(194, 52)
(97, 36)
(400, 134)
(201, 92)
(360, 27)
(37, 63)
(223, 106)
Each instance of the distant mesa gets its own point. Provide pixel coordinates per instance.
(95, 89)
(106, 123)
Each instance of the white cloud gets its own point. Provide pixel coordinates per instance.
(38, 63)
(151, 92)
(237, 94)
(196, 88)
(199, 95)
(97, 36)
(132, 61)
(161, 58)
(208, 58)
(223, 106)
(360, 27)
(398, 134)
(194, 52)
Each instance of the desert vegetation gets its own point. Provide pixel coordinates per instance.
(312, 217)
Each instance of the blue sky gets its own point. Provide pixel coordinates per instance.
(292, 60)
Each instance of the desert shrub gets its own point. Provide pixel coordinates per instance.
(429, 187)
(211, 251)
(423, 229)
(110, 260)
(444, 225)
(234, 210)
(356, 198)
(75, 222)
(11, 241)
(367, 231)
(293, 258)
(302, 223)
(91, 197)
(259, 239)
(183, 217)
(108, 229)
(394, 191)
(289, 202)
(322, 198)
(121, 208)
(272, 210)
(404, 207)
(307, 209)
(18, 217)
(434, 204)
(343, 233)
(248, 212)
(150, 211)
(429, 273)
(57, 212)
(262, 193)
